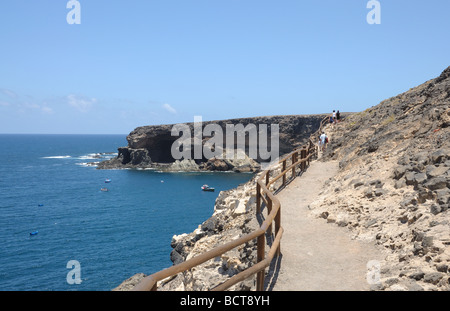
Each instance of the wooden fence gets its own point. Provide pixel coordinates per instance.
(295, 162)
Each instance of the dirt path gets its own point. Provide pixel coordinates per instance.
(317, 255)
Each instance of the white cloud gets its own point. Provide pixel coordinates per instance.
(81, 103)
(169, 108)
(31, 106)
(47, 110)
(9, 93)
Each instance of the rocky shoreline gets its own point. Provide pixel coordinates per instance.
(233, 217)
(149, 147)
(392, 189)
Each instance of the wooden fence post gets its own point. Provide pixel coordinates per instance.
(258, 198)
(294, 159)
(269, 210)
(260, 257)
(277, 228)
(303, 156)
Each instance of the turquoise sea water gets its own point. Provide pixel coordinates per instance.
(45, 186)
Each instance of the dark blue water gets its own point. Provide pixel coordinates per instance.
(45, 186)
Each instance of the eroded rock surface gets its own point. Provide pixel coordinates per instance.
(393, 184)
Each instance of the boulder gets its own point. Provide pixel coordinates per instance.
(215, 164)
(440, 156)
(399, 172)
(433, 277)
(433, 171)
(420, 178)
(436, 183)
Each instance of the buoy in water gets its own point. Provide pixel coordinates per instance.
(40, 204)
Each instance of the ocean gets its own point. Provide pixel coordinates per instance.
(53, 213)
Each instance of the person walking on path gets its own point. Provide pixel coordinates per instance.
(323, 140)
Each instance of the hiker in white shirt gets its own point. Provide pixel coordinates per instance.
(323, 140)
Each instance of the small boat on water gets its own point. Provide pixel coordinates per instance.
(34, 233)
(104, 189)
(207, 188)
(107, 181)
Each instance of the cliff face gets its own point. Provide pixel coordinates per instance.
(393, 187)
(150, 146)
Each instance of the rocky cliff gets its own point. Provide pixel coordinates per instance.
(233, 217)
(393, 189)
(150, 146)
(393, 184)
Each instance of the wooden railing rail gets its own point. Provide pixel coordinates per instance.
(301, 158)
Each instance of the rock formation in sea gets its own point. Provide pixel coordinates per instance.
(151, 146)
(393, 184)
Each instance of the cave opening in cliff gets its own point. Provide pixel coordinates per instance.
(160, 151)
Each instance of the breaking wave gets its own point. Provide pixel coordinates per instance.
(57, 157)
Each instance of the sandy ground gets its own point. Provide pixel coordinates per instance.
(316, 255)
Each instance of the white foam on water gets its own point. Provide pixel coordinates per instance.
(57, 157)
(94, 156)
(88, 164)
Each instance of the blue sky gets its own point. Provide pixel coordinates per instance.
(134, 63)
